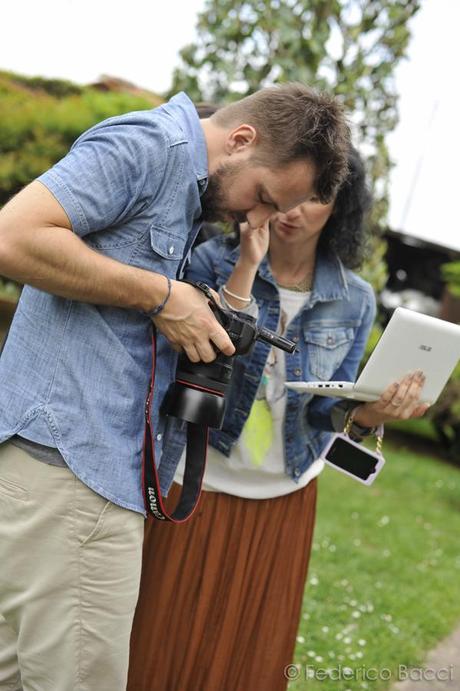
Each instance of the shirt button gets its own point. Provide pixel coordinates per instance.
(296, 472)
(159, 437)
(171, 249)
(295, 339)
(297, 372)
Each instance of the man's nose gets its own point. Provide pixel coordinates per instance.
(257, 216)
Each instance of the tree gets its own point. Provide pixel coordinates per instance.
(350, 47)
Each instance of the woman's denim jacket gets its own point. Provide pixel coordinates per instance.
(330, 331)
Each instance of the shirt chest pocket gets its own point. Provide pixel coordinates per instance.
(168, 250)
(326, 350)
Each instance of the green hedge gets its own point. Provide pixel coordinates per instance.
(40, 119)
(451, 274)
(37, 127)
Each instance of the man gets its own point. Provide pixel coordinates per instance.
(99, 240)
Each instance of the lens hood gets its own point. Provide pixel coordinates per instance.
(193, 404)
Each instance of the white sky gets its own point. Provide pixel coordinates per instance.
(426, 144)
(79, 40)
(139, 41)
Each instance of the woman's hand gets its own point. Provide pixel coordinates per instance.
(253, 243)
(399, 401)
(253, 248)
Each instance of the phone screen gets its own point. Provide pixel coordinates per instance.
(351, 458)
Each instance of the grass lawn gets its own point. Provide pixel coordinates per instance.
(383, 585)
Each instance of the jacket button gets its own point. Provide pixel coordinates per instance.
(297, 372)
(171, 249)
(296, 472)
(330, 340)
(295, 339)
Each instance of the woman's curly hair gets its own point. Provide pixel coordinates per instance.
(345, 232)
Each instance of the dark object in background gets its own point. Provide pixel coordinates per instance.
(414, 263)
(414, 275)
(416, 282)
(207, 231)
(205, 109)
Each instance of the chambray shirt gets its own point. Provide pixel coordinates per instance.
(74, 376)
(331, 332)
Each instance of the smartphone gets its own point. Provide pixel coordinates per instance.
(353, 459)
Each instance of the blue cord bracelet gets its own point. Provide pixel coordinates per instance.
(157, 310)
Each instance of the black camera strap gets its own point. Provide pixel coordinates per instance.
(195, 463)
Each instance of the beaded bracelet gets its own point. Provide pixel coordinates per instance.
(233, 295)
(157, 310)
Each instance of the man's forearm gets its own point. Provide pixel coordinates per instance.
(38, 247)
(59, 262)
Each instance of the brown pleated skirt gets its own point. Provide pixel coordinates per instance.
(221, 596)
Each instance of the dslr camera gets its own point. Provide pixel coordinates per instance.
(198, 393)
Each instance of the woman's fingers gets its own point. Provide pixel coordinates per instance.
(406, 397)
(401, 399)
(420, 410)
(387, 396)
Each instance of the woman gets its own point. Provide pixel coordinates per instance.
(221, 595)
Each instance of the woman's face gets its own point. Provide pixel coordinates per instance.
(304, 222)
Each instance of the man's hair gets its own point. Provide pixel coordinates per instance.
(294, 122)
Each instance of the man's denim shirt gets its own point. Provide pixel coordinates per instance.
(331, 332)
(75, 376)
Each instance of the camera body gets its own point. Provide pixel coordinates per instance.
(198, 393)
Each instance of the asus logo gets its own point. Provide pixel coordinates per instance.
(425, 347)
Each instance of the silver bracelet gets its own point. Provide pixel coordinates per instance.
(233, 295)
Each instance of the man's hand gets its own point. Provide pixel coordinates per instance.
(399, 401)
(188, 322)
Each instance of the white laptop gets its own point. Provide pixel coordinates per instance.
(410, 341)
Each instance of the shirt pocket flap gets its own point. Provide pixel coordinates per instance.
(328, 338)
(165, 244)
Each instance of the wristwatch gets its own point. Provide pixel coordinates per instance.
(357, 431)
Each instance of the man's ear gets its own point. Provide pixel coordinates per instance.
(240, 139)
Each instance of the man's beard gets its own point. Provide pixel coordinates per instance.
(213, 200)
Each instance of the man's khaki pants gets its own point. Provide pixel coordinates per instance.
(70, 566)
